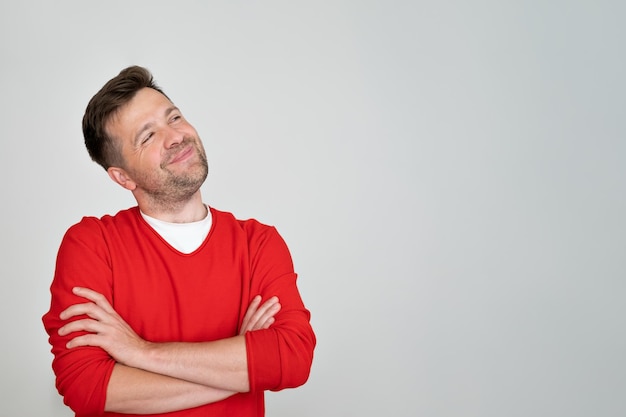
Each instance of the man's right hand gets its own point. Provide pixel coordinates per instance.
(260, 316)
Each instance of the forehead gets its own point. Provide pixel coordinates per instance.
(146, 106)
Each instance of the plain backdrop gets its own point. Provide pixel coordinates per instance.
(449, 176)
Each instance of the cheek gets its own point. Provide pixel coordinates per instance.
(149, 160)
(189, 130)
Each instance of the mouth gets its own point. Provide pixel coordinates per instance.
(181, 155)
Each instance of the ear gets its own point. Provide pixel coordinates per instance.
(120, 176)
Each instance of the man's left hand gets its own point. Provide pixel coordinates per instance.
(106, 329)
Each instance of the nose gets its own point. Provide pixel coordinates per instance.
(173, 137)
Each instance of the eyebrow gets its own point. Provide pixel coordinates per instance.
(148, 125)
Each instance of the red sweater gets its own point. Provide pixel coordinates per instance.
(165, 296)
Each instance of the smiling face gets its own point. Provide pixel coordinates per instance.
(164, 160)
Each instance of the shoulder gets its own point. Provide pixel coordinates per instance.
(250, 227)
(90, 226)
(261, 239)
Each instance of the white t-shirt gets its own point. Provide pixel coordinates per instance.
(184, 237)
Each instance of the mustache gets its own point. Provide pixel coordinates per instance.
(181, 147)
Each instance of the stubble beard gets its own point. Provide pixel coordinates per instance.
(174, 189)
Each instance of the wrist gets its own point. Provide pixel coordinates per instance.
(142, 354)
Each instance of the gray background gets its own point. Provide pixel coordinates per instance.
(449, 177)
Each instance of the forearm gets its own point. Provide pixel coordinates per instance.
(220, 364)
(135, 391)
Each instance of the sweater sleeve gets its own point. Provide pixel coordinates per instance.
(281, 356)
(82, 373)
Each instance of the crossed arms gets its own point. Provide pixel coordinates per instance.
(150, 378)
(103, 334)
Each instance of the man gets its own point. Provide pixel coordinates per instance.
(170, 306)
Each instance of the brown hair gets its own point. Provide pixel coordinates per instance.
(118, 91)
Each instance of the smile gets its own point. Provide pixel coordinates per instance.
(182, 155)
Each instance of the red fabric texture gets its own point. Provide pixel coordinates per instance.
(166, 296)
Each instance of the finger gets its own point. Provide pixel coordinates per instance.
(89, 309)
(85, 325)
(250, 312)
(261, 316)
(89, 339)
(267, 315)
(264, 308)
(99, 299)
(268, 323)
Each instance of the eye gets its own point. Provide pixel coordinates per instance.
(147, 138)
(176, 118)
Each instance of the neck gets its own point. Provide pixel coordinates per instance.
(187, 211)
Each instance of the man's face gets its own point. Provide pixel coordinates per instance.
(162, 153)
